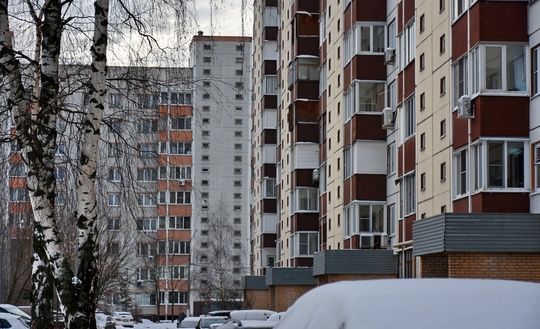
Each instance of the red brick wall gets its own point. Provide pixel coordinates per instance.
(322, 279)
(285, 296)
(256, 299)
(434, 266)
(509, 266)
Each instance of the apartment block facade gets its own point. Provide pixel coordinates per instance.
(425, 126)
(173, 179)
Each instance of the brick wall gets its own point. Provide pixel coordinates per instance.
(256, 299)
(329, 278)
(434, 266)
(285, 296)
(508, 266)
(511, 266)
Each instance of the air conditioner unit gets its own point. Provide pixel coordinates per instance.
(367, 241)
(182, 182)
(389, 56)
(465, 108)
(384, 240)
(388, 119)
(315, 175)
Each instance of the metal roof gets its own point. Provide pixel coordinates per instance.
(290, 276)
(255, 282)
(477, 232)
(355, 261)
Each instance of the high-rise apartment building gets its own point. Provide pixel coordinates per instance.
(173, 180)
(422, 117)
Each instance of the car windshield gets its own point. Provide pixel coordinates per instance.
(205, 323)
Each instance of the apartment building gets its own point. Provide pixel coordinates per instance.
(173, 180)
(427, 132)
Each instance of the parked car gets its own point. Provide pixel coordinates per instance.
(248, 324)
(226, 313)
(277, 316)
(417, 303)
(206, 321)
(8, 320)
(123, 319)
(12, 309)
(251, 315)
(188, 322)
(110, 323)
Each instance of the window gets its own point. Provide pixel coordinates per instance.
(148, 126)
(410, 117)
(113, 199)
(237, 233)
(443, 128)
(206, 72)
(505, 164)
(237, 146)
(237, 220)
(306, 199)
(147, 150)
(60, 149)
(175, 197)
(422, 61)
(115, 175)
(422, 101)
(113, 224)
(206, 145)
(269, 187)
(461, 182)
(238, 158)
(391, 219)
(207, 46)
(237, 208)
(237, 195)
(391, 96)
(205, 158)
(537, 166)
(442, 44)
(147, 174)
(176, 222)
(17, 170)
(175, 147)
(237, 183)
(181, 123)
(238, 121)
(147, 249)
(304, 244)
(408, 195)
(460, 72)
(442, 5)
(204, 182)
(372, 39)
(239, 96)
(442, 86)
(364, 97)
(237, 171)
(205, 133)
(422, 23)
(238, 60)
(536, 71)
(347, 163)
(240, 47)
(443, 171)
(180, 98)
(207, 59)
(238, 108)
(237, 134)
(147, 200)
(239, 85)
(270, 85)
(115, 100)
(422, 141)
(369, 218)
(147, 224)
(181, 172)
(149, 101)
(178, 247)
(205, 170)
(422, 181)
(458, 8)
(238, 72)
(392, 35)
(407, 44)
(206, 83)
(18, 195)
(391, 159)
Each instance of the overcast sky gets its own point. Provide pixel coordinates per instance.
(224, 17)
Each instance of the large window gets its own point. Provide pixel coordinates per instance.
(461, 169)
(181, 172)
(458, 8)
(499, 68)
(304, 244)
(391, 159)
(364, 97)
(175, 222)
(269, 187)
(270, 85)
(370, 218)
(408, 195)
(407, 44)
(180, 123)
(306, 199)
(409, 117)
(178, 247)
(536, 71)
(18, 195)
(147, 224)
(147, 200)
(175, 197)
(364, 39)
(506, 166)
(148, 125)
(147, 174)
(347, 163)
(460, 79)
(147, 150)
(175, 148)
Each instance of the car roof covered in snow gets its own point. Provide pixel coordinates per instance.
(418, 304)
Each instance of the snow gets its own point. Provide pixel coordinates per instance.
(417, 303)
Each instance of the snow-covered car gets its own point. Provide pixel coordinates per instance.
(248, 324)
(8, 320)
(276, 316)
(189, 322)
(206, 321)
(417, 303)
(123, 319)
(12, 309)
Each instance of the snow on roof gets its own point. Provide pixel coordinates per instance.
(418, 304)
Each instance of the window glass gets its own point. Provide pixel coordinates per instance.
(495, 164)
(515, 170)
(515, 68)
(493, 68)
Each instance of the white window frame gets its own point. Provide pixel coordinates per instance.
(460, 72)
(113, 199)
(537, 167)
(409, 117)
(408, 195)
(115, 175)
(380, 206)
(147, 200)
(391, 156)
(407, 44)
(147, 174)
(270, 86)
(173, 197)
(268, 188)
(311, 195)
(461, 173)
(181, 123)
(304, 240)
(535, 79)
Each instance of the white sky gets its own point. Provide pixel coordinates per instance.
(224, 17)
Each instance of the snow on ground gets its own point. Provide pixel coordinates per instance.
(151, 325)
(417, 303)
